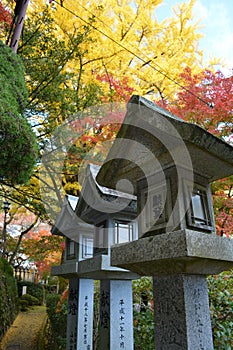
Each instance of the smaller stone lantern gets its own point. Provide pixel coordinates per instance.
(78, 238)
(113, 214)
(78, 247)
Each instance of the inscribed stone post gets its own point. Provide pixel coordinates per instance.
(116, 315)
(182, 316)
(80, 314)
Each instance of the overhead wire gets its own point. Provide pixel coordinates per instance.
(159, 70)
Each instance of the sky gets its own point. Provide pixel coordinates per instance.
(216, 17)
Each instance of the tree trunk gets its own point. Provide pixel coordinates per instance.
(20, 12)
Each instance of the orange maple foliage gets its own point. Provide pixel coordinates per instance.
(94, 129)
(116, 90)
(207, 100)
(5, 16)
(43, 248)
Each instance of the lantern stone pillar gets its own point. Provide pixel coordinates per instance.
(182, 318)
(179, 263)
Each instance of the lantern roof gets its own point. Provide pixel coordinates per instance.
(98, 202)
(67, 223)
(151, 139)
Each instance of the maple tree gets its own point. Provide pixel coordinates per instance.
(43, 249)
(207, 100)
(94, 131)
(5, 17)
(64, 53)
(19, 222)
(29, 241)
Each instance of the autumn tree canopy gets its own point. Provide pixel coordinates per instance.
(126, 39)
(78, 54)
(82, 54)
(207, 100)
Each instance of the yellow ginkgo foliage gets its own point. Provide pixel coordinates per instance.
(126, 39)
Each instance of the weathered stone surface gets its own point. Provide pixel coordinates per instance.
(170, 164)
(182, 251)
(67, 270)
(182, 318)
(151, 133)
(99, 267)
(97, 203)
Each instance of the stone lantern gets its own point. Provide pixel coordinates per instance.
(170, 164)
(78, 237)
(112, 212)
(78, 246)
(113, 215)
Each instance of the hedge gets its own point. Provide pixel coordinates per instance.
(9, 304)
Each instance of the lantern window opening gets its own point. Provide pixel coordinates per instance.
(124, 232)
(70, 249)
(198, 215)
(87, 247)
(101, 239)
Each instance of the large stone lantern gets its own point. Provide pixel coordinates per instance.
(170, 164)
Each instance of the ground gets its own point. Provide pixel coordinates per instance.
(25, 331)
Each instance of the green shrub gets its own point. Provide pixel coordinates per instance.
(144, 329)
(18, 145)
(31, 300)
(58, 319)
(9, 305)
(23, 305)
(143, 314)
(6, 268)
(34, 289)
(221, 309)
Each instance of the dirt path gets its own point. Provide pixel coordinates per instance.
(24, 332)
